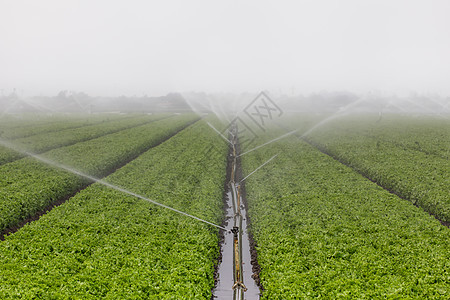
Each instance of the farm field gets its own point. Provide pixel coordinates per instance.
(19, 126)
(420, 133)
(408, 156)
(102, 243)
(323, 230)
(342, 212)
(38, 143)
(28, 185)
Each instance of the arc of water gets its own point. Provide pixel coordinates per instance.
(97, 180)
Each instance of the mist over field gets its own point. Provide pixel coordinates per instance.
(228, 104)
(151, 55)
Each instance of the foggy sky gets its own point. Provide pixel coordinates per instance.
(154, 47)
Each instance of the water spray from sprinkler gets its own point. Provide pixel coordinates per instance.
(102, 182)
(258, 168)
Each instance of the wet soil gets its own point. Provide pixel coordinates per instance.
(224, 270)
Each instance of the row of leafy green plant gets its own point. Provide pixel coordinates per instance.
(413, 174)
(46, 141)
(17, 120)
(21, 126)
(103, 243)
(28, 185)
(430, 135)
(324, 231)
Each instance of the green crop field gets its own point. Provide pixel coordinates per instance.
(357, 208)
(324, 229)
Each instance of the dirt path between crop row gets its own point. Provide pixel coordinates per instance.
(224, 271)
(326, 152)
(62, 200)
